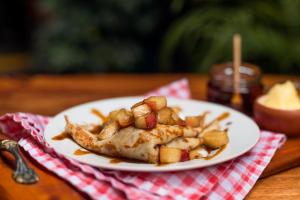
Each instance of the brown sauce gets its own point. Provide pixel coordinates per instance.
(222, 116)
(115, 161)
(218, 119)
(62, 136)
(99, 114)
(80, 152)
(161, 164)
(96, 129)
(112, 160)
(228, 123)
(216, 153)
(120, 160)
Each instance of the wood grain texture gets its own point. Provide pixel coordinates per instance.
(49, 95)
(288, 156)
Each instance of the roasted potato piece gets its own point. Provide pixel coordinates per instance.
(169, 155)
(156, 103)
(185, 143)
(147, 121)
(140, 109)
(198, 153)
(109, 130)
(215, 139)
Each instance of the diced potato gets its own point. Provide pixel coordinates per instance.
(198, 153)
(148, 121)
(140, 110)
(185, 143)
(215, 139)
(156, 103)
(169, 155)
(109, 130)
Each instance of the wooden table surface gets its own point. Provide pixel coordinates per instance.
(48, 95)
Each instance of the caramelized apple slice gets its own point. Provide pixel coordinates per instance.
(169, 155)
(124, 118)
(176, 109)
(168, 117)
(215, 139)
(147, 121)
(140, 109)
(113, 115)
(156, 103)
(194, 121)
(177, 120)
(184, 156)
(109, 130)
(214, 125)
(199, 152)
(164, 116)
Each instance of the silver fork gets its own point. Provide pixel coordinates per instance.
(22, 174)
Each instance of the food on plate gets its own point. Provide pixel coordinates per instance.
(147, 121)
(282, 96)
(199, 152)
(169, 154)
(195, 121)
(152, 132)
(215, 139)
(156, 103)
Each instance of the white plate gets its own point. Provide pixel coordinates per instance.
(243, 133)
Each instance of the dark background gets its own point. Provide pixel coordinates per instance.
(73, 36)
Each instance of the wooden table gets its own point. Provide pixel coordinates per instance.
(48, 95)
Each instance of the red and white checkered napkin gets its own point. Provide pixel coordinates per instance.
(229, 180)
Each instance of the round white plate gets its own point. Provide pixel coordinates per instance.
(243, 133)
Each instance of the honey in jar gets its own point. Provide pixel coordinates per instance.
(221, 86)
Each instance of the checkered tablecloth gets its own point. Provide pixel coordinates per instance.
(230, 180)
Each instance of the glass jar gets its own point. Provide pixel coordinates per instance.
(220, 85)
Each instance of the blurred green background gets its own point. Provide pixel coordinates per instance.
(64, 36)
